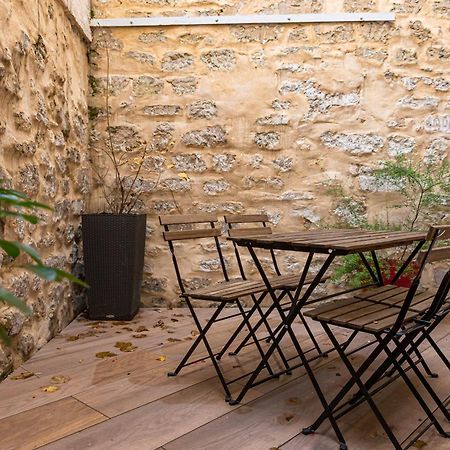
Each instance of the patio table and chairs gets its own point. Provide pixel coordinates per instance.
(398, 319)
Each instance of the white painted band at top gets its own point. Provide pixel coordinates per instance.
(243, 20)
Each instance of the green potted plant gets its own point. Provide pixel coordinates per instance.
(16, 204)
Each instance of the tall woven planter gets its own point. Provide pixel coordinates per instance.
(113, 246)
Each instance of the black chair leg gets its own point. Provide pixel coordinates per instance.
(414, 391)
(356, 377)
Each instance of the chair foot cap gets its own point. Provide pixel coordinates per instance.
(434, 375)
(289, 372)
(172, 374)
(342, 446)
(228, 398)
(308, 430)
(446, 434)
(218, 357)
(233, 402)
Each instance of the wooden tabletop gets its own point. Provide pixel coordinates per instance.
(325, 241)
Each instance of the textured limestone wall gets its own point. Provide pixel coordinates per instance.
(43, 152)
(284, 119)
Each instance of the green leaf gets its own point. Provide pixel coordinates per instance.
(32, 252)
(70, 277)
(28, 217)
(10, 248)
(52, 274)
(12, 300)
(13, 249)
(47, 273)
(4, 336)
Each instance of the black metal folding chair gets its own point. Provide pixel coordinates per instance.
(241, 225)
(396, 327)
(185, 227)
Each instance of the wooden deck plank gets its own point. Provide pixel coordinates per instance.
(152, 411)
(151, 425)
(272, 420)
(39, 426)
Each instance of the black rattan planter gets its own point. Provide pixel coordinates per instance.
(113, 246)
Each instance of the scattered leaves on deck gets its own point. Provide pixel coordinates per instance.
(173, 339)
(141, 329)
(49, 389)
(419, 444)
(22, 376)
(125, 346)
(75, 337)
(194, 333)
(127, 329)
(60, 379)
(160, 324)
(161, 358)
(105, 355)
(139, 336)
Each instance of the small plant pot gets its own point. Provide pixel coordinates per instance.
(113, 247)
(390, 269)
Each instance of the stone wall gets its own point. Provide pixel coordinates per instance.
(43, 152)
(284, 119)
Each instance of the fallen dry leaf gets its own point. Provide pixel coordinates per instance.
(419, 444)
(127, 329)
(174, 320)
(72, 338)
(194, 333)
(139, 336)
(178, 315)
(160, 324)
(141, 329)
(173, 339)
(125, 346)
(60, 379)
(161, 358)
(22, 376)
(105, 355)
(49, 389)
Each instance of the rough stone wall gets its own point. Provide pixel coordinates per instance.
(284, 119)
(43, 152)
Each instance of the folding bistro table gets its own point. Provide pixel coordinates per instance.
(333, 243)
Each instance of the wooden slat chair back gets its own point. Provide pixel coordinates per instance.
(249, 225)
(187, 227)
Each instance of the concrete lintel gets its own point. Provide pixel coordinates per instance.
(243, 20)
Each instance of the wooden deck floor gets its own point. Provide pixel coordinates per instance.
(83, 391)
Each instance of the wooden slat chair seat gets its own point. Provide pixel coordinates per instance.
(393, 295)
(231, 290)
(399, 319)
(178, 228)
(360, 315)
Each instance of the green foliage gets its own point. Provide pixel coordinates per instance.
(422, 186)
(16, 204)
(352, 271)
